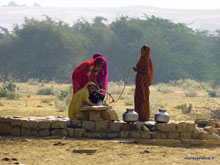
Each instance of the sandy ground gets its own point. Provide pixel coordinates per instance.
(38, 151)
(72, 151)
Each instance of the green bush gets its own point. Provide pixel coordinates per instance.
(46, 91)
(185, 109)
(8, 90)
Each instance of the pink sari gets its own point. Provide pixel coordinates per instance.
(103, 73)
(79, 74)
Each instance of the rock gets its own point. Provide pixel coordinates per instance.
(95, 116)
(193, 142)
(186, 135)
(213, 136)
(145, 129)
(110, 115)
(158, 135)
(173, 135)
(5, 129)
(34, 133)
(115, 127)
(76, 124)
(25, 123)
(44, 124)
(33, 124)
(70, 132)
(165, 127)
(101, 125)
(25, 132)
(124, 134)
(93, 135)
(136, 134)
(59, 132)
(56, 124)
(78, 133)
(190, 127)
(44, 132)
(88, 125)
(16, 131)
(181, 127)
(110, 135)
(209, 129)
(15, 122)
(145, 135)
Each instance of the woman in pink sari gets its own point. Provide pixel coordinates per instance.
(102, 77)
(86, 72)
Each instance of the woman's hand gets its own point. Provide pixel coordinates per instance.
(135, 69)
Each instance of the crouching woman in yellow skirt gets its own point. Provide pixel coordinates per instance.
(79, 99)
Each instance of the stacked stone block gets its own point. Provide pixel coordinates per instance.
(148, 132)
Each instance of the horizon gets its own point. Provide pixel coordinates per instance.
(168, 4)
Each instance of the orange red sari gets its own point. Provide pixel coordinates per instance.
(142, 82)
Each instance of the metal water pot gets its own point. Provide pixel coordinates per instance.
(130, 115)
(162, 116)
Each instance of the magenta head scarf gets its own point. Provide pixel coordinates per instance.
(103, 71)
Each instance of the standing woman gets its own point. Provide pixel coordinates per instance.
(143, 80)
(86, 72)
(102, 77)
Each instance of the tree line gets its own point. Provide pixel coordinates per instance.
(50, 49)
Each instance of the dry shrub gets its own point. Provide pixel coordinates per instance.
(47, 91)
(165, 88)
(32, 81)
(189, 84)
(191, 93)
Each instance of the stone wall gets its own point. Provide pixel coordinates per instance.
(172, 133)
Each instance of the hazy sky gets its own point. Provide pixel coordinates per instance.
(171, 4)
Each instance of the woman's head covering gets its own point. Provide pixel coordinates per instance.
(98, 60)
(97, 55)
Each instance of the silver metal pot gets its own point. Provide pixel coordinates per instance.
(130, 115)
(162, 116)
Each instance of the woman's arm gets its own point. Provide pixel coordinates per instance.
(141, 71)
